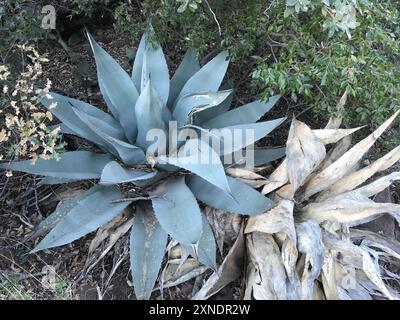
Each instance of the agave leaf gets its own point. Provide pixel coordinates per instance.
(190, 104)
(329, 136)
(147, 248)
(104, 121)
(304, 152)
(280, 176)
(208, 78)
(249, 133)
(66, 114)
(138, 63)
(246, 200)
(311, 246)
(266, 278)
(62, 210)
(266, 155)
(206, 248)
(230, 269)
(235, 138)
(113, 173)
(188, 67)
(248, 113)
(127, 152)
(244, 174)
(84, 217)
(275, 220)
(198, 157)
(377, 186)
(343, 165)
(177, 211)
(117, 89)
(155, 67)
(354, 179)
(335, 153)
(149, 114)
(75, 165)
(52, 181)
(371, 269)
(207, 114)
(346, 208)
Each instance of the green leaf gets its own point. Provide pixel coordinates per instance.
(206, 248)
(188, 67)
(117, 88)
(85, 216)
(248, 113)
(147, 249)
(208, 78)
(72, 165)
(246, 200)
(65, 113)
(155, 68)
(127, 152)
(190, 104)
(149, 114)
(106, 122)
(177, 210)
(210, 113)
(138, 63)
(235, 138)
(198, 157)
(63, 208)
(264, 156)
(114, 173)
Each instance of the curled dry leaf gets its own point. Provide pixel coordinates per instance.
(304, 152)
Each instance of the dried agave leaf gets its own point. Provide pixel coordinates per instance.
(354, 179)
(304, 152)
(343, 165)
(113, 238)
(105, 230)
(230, 269)
(309, 243)
(377, 186)
(329, 136)
(335, 153)
(280, 176)
(248, 176)
(346, 208)
(244, 174)
(266, 278)
(176, 273)
(372, 239)
(278, 219)
(328, 277)
(371, 269)
(254, 183)
(318, 292)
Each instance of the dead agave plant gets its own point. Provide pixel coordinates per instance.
(308, 246)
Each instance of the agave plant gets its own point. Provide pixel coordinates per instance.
(313, 247)
(166, 184)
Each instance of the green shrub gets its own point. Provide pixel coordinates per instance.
(310, 51)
